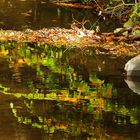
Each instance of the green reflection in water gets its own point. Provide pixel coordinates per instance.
(58, 95)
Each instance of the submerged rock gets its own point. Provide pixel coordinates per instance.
(132, 67)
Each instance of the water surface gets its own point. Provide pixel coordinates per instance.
(58, 93)
(49, 92)
(38, 14)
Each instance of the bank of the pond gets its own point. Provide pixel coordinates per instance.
(107, 43)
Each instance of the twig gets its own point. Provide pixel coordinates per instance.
(98, 5)
(116, 8)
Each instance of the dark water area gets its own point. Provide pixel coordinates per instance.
(38, 14)
(58, 93)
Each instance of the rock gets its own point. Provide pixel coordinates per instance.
(132, 67)
(133, 84)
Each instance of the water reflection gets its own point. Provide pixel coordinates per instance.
(58, 93)
(37, 14)
(134, 84)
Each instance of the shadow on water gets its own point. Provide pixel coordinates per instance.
(37, 14)
(57, 93)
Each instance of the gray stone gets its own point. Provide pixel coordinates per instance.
(133, 84)
(132, 67)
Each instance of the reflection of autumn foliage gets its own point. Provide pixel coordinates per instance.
(60, 96)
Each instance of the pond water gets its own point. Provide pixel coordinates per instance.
(37, 14)
(49, 93)
(57, 93)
